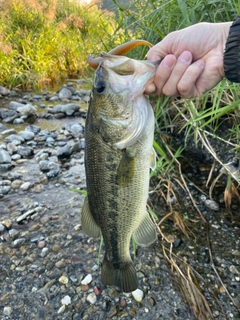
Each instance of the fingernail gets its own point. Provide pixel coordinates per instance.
(186, 56)
(150, 88)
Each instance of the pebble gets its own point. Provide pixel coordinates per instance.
(7, 311)
(44, 252)
(41, 244)
(7, 223)
(26, 186)
(2, 227)
(62, 309)
(63, 279)
(19, 242)
(60, 264)
(87, 280)
(211, 204)
(66, 300)
(91, 298)
(138, 295)
(25, 215)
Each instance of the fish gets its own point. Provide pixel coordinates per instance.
(119, 153)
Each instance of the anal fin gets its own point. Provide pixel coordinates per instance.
(89, 226)
(146, 232)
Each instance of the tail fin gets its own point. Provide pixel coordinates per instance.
(123, 277)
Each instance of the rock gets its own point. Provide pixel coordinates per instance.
(5, 189)
(4, 91)
(62, 309)
(54, 98)
(138, 295)
(2, 228)
(13, 233)
(4, 157)
(14, 105)
(33, 128)
(91, 298)
(65, 93)
(27, 135)
(16, 157)
(11, 148)
(5, 113)
(53, 173)
(25, 151)
(26, 186)
(70, 108)
(50, 141)
(15, 139)
(7, 132)
(18, 121)
(87, 280)
(18, 242)
(46, 166)
(63, 280)
(234, 269)
(3, 128)
(7, 311)
(7, 223)
(64, 152)
(60, 264)
(44, 252)
(76, 130)
(66, 300)
(211, 204)
(5, 167)
(16, 184)
(27, 110)
(25, 215)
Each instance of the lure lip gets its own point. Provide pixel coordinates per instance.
(119, 51)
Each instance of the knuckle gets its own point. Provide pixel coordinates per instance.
(169, 91)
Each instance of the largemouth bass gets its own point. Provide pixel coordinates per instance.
(118, 157)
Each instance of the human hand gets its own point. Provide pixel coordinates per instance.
(193, 60)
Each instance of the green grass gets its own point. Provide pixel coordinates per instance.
(197, 119)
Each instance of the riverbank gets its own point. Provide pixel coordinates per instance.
(49, 267)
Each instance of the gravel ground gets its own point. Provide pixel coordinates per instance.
(49, 268)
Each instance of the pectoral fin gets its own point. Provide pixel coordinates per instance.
(89, 226)
(153, 159)
(126, 169)
(146, 232)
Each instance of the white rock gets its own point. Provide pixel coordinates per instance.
(87, 279)
(26, 186)
(211, 204)
(138, 295)
(62, 309)
(7, 311)
(66, 300)
(92, 298)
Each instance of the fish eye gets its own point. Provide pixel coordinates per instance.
(100, 87)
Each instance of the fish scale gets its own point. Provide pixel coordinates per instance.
(118, 156)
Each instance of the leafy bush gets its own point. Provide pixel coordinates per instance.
(42, 41)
